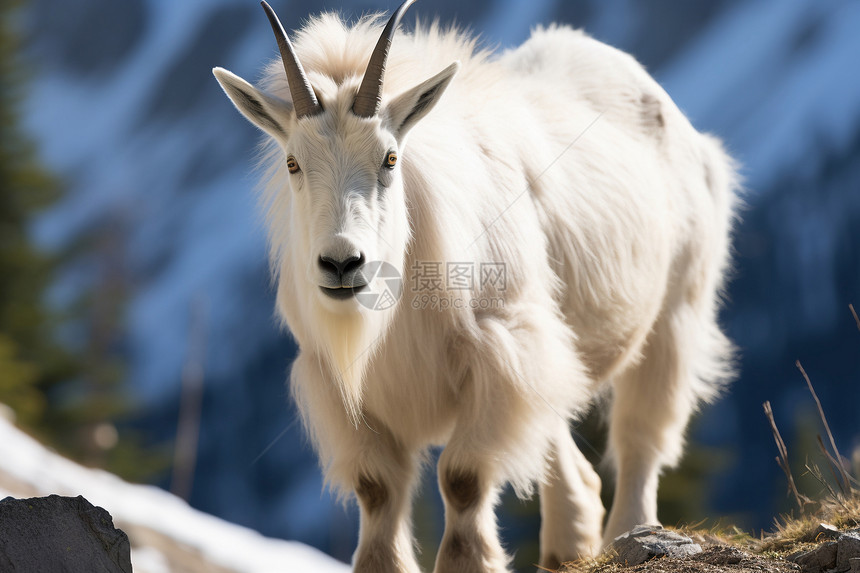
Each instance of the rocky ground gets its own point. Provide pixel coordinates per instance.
(710, 560)
(804, 545)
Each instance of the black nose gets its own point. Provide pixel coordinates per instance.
(338, 268)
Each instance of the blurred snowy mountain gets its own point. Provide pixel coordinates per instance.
(124, 107)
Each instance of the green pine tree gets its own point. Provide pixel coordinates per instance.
(30, 364)
(67, 398)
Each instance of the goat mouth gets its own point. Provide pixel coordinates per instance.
(342, 293)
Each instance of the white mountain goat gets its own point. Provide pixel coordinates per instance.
(587, 225)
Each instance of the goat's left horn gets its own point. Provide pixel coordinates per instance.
(304, 99)
(369, 96)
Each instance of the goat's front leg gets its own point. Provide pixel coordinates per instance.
(365, 459)
(470, 543)
(382, 480)
(507, 421)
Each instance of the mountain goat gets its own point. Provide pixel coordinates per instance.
(559, 228)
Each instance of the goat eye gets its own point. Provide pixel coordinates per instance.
(293, 165)
(390, 160)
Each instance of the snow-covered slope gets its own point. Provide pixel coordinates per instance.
(29, 469)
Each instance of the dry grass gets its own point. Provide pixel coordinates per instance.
(594, 565)
(790, 535)
(795, 533)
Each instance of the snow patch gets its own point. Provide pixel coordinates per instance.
(223, 543)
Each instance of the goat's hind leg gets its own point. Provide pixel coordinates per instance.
(570, 506)
(684, 362)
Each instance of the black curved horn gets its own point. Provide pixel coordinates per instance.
(304, 99)
(369, 96)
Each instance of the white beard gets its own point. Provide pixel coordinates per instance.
(347, 343)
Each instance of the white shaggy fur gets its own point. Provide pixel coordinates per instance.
(561, 159)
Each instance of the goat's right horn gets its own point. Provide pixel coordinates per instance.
(304, 99)
(369, 96)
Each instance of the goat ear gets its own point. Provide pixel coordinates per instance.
(267, 112)
(405, 110)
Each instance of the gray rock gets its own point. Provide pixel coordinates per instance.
(848, 548)
(646, 542)
(60, 534)
(822, 558)
(824, 532)
(838, 556)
